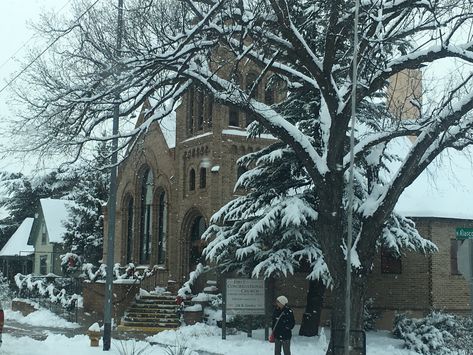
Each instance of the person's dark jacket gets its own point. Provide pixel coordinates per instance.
(285, 324)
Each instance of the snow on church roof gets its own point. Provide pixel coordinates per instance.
(443, 190)
(17, 244)
(168, 128)
(55, 213)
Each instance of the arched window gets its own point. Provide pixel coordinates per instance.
(251, 79)
(197, 245)
(199, 97)
(129, 231)
(162, 227)
(203, 178)
(192, 180)
(146, 217)
(190, 111)
(269, 95)
(210, 108)
(233, 119)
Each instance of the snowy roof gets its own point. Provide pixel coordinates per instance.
(244, 133)
(168, 123)
(55, 214)
(443, 190)
(17, 244)
(168, 128)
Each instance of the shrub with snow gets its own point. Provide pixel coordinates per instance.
(370, 315)
(437, 334)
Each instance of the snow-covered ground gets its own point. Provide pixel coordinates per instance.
(200, 338)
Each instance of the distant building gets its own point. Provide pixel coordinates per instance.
(47, 235)
(16, 255)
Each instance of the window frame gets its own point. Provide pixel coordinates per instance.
(389, 262)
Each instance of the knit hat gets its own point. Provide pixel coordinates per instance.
(282, 299)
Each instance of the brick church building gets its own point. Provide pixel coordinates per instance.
(184, 169)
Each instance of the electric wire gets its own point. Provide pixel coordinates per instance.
(30, 39)
(48, 47)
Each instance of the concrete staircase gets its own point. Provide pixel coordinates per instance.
(150, 314)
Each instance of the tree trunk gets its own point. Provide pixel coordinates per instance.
(311, 317)
(337, 337)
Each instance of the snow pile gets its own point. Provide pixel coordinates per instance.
(40, 318)
(438, 333)
(201, 337)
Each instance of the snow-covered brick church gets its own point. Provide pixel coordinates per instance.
(184, 169)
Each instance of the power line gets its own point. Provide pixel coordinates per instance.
(29, 40)
(49, 46)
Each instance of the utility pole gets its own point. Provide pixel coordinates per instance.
(351, 193)
(112, 201)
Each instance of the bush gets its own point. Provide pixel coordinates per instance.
(437, 334)
(370, 316)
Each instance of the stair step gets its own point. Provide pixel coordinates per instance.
(151, 330)
(153, 306)
(159, 297)
(149, 319)
(151, 324)
(149, 301)
(150, 315)
(149, 309)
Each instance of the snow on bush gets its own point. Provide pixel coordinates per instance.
(47, 287)
(193, 308)
(437, 334)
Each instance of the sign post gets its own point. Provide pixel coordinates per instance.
(465, 257)
(243, 297)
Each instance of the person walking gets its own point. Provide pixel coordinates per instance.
(283, 322)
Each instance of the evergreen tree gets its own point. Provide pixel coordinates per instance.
(22, 197)
(84, 236)
(309, 45)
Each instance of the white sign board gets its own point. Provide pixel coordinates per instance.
(245, 296)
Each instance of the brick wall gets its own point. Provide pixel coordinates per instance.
(449, 292)
(94, 296)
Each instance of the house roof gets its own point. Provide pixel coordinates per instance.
(56, 213)
(17, 244)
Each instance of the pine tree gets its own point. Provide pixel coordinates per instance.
(22, 197)
(84, 236)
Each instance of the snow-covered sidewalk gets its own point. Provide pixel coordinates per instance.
(199, 339)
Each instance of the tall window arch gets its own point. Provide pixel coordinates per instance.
(190, 111)
(162, 227)
(210, 108)
(203, 178)
(192, 180)
(129, 230)
(199, 97)
(146, 217)
(197, 245)
(251, 79)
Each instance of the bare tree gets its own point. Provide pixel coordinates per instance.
(308, 46)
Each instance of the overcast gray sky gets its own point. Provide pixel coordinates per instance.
(15, 37)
